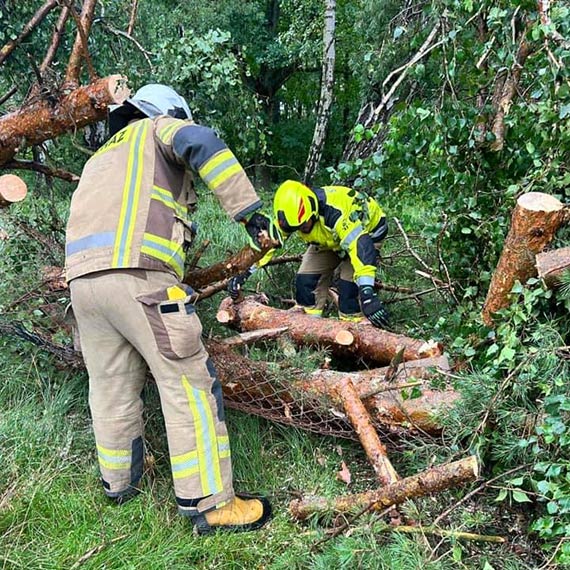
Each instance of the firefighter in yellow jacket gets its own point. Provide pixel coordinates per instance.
(128, 228)
(342, 228)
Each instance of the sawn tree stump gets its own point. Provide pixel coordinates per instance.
(535, 220)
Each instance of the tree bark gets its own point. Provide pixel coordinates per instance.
(432, 481)
(535, 220)
(360, 420)
(40, 121)
(371, 382)
(326, 97)
(372, 344)
(12, 189)
(80, 49)
(238, 263)
(550, 265)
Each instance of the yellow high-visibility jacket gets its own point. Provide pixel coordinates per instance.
(346, 220)
(131, 207)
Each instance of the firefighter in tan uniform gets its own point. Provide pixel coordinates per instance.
(343, 229)
(128, 228)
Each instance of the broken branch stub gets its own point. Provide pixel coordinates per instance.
(428, 482)
(535, 219)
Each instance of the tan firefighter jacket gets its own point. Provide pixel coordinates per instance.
(131, 207)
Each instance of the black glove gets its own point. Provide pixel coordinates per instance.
(236, 283)
(258, 223)
(373, 309)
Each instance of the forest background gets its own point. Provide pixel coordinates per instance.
(419, 119)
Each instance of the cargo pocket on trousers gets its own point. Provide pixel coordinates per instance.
(174, 323)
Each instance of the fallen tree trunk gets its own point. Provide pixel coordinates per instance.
(535, 220)
(360, 420)
(432, 481)
(370, 382)
(41, 121)
(343, 338)
(550, 265)
(256, 388)
(12, 189)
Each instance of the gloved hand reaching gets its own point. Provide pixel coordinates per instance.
(236, 283)
(373, 309)
(258, 223)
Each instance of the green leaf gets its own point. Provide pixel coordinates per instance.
(564, 111)
(501, 496)
(520, 497)
(488, 566)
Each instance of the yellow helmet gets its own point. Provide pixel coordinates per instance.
(294, 204)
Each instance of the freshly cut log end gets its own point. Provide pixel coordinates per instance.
(223, 316)
(12, 189)
(345, 338)
(539, 202)
(118, 89)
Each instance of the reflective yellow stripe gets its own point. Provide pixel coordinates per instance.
(168, 251)
(138, 183)
(114, 452)
(178, 459)
(206, 443)
(131, 192)
(114, 466)
(165, 132)
(165, 197)
(209, 165)
(227, 173)
(186, 472)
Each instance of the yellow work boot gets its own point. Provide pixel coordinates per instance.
(242, 513)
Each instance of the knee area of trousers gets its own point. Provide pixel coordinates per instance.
(305, 285)
(348, 297)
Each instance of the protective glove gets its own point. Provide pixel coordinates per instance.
(373, 309)
(236, 283)
(258, 223)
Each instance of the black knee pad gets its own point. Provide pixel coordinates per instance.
(305, 284)
(348, 297)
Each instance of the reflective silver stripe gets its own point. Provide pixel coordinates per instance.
(186, 465)
(219, 169)
(353, 235)
(365, 280)
(114, 458)
(103, 239)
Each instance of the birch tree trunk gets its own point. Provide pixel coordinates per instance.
(326, 97)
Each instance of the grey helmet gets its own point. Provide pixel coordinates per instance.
(151, 100)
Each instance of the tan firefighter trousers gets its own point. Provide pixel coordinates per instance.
(128, 319)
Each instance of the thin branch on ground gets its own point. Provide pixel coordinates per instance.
(9, 94)
(41, 168)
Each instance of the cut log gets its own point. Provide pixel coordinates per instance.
(236, 264)
(535, 220)
(372, 344)
(256, 388)
(12, 189)
(41, 120)
(550, 265)
(370, 382)
(432, 481)
(360, 419)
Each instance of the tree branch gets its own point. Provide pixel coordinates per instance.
(42, 168)
(80, 47)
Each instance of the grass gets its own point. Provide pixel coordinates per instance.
(53, 513)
